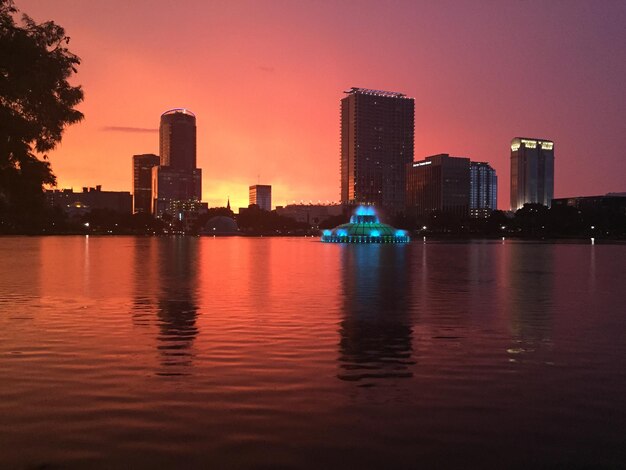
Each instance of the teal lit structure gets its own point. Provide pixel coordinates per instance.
(365, 227)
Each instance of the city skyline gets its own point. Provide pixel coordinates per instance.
(260, 99)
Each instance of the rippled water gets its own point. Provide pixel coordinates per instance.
(289, 353)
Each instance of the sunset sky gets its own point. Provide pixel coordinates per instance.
(264, 79)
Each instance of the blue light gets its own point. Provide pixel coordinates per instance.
(341, 233)
(365, 210)
(400, 233)
(326, 233)
(374, 233)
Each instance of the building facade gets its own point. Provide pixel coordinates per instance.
(261, 195)
(439, 183)
(177, 139)
(173, 187)
(142, 181)
(532, 172)
(483, 189)
(78, 203)
(377, 138)
(176, 181)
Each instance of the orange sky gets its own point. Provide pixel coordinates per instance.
(264, 79)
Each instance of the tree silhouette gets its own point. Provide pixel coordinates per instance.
(36, 105)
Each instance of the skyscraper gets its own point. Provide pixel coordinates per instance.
(142, 181)
(377, 131)
(176, 182)
(440, 183)
(177, 139)
(532, 172)
(261, 195)
(483, 189)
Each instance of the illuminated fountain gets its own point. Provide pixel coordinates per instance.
(365, 227)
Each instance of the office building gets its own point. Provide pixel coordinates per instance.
(173, 187)
(613, 204)
(439, 183)
(483, 189)
(532, 172)
(142, 182)
(177, 139)
(79, 203)
(176, 181)
(377, 132)
(261, 195)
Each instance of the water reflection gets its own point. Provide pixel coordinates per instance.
(166, 279)
(376, 332)
(531, 295)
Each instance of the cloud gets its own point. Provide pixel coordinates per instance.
(127, 129)
(266, 68)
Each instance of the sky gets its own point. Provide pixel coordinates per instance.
(265, 78)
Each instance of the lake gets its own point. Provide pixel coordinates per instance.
(131, 352)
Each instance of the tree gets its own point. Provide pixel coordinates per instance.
(36, 105)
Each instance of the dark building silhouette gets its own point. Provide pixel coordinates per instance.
(606, 212)
(261, 195)
(177, 180)
(377, 133)
(483, 189)
(532, 172)
(78, 203)
(142, 181)
(439, 183)
(177, 139)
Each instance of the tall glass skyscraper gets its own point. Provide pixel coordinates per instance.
(176, 182)
(377, 133)
(483, 189)
(177, 139)
(532, 172)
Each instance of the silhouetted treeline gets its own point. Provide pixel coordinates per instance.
(36, 105)
(256, 221)
(531, 221)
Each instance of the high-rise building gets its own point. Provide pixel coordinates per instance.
(142, 181)
(171, 187)
(176, 181)
(439, 183)
(483, 189)
(261, 195)
(177, 139)
(532, 172)
(377, 132)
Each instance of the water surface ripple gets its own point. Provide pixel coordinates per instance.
(122, 352)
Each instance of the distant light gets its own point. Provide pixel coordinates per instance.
(593, 227)
(503, 227)
(424, 227)
(529, 144)
(593, 241)
(86, 224)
